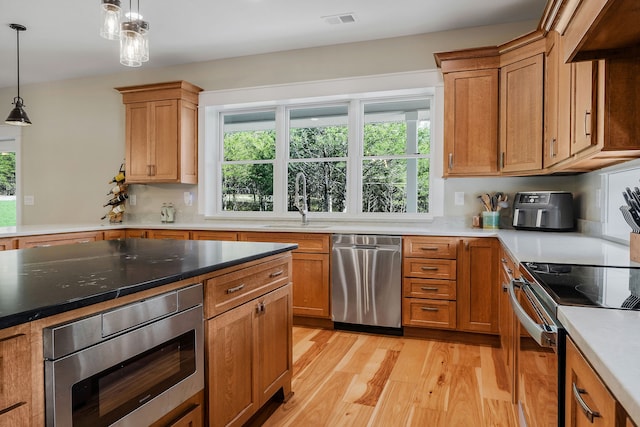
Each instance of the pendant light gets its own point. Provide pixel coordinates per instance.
(111, 13)
(134, 39)
(18, 116)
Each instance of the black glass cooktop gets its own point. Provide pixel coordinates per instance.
(588, 285)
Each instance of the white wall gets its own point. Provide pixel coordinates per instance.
(77, 140)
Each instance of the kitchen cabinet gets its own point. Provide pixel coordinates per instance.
(249, 340)
(15, 374)
(137, 234)
(58, 239)
(588, 402)
(429, 281)
(161, 132)
(521, 114)
(584, 106)
(471, 122)
(477, 301)
(214, 235)
(311, 288)
(557, 103)
(7, 244)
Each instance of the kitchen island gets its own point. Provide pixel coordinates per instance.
(42, 288)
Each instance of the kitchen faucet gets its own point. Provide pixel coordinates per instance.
(302, 207)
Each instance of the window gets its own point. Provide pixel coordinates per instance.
(615, 183)
(360, 149)
(9, 186)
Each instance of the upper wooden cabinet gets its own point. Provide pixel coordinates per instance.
(521, 112)
(470, 112)
(161, 132)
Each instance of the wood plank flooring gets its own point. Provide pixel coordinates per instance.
(344, 378)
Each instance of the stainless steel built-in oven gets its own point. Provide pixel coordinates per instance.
(128, 366)
(540, 349)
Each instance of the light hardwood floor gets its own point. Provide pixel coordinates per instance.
(352, 379)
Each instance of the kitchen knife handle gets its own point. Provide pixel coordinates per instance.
(588, 412)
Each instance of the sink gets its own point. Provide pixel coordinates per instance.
(301, 226)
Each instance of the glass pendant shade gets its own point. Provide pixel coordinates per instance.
(18, 116)
(111, 13)
(131, 44)
(144, 32)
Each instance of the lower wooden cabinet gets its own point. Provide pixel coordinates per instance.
(214, 235)
(588, 402)
(249, 357)
(169, 234)
(477, 293)
(15, 376)
(114, 234)
(508, 324)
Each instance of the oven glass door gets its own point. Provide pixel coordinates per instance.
(538, 363)
(107, 396)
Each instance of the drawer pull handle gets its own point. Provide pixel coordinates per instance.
(235, 289)
(84, 241)
(588, 412)
(42, 245)
(428, 248)
(429, 309)
(429, 268)
(428, 288)
(276, 273)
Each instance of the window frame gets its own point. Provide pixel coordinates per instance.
(214, 103)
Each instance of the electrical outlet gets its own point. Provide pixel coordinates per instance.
(132, 200)
(29, 201)
(459, 198)
(188, 198)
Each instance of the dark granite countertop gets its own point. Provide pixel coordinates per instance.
(40, 282)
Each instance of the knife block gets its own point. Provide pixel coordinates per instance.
(634, 247)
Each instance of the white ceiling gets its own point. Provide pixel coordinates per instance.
(62, 41)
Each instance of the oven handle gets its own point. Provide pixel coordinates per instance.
(541, 333)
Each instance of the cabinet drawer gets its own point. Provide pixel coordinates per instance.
(15, 365)
(430, 268)
(429, 313)
(18, 416)
(232, 289)
(307, 242)
(430, 247)
(429, 288)
(214, 235)
(169, 234)
(58, 239)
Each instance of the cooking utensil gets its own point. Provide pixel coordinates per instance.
(486, 201)
(633, 223)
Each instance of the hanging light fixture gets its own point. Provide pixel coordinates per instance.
(18, 116)
(111, 13)
(134, 41)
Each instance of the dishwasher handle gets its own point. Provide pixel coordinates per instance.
(545, 335)
(371, 247)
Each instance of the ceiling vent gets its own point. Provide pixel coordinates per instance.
(343, 18)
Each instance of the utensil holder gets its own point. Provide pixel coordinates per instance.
(634, 247)
(490, 219)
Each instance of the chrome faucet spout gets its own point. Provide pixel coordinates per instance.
(302, 205)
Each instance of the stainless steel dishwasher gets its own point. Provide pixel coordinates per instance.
(366, 283)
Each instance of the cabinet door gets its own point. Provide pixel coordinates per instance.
(507, 322)
(477, 294)
(471, 123)
(521, 112)
(137, 234)
(583, 115)
(58, 239)
(311, 285)
(585, 394)
(274, 343)
(164, 156)
(114, 234)
(557, 100)
(15, 383)
(137, 141)
(230, 342)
